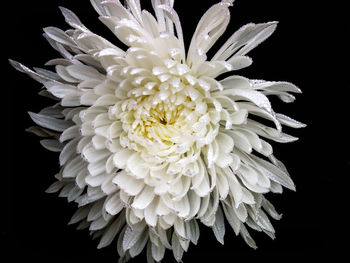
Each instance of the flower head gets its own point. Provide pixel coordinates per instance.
(151, 142)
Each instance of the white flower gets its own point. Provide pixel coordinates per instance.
(150, 141)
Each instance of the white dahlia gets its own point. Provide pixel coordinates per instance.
(150, 141)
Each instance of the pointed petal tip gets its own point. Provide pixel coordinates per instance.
(291, 187)
(15, 64)
(273, 25)
(64, 10)
(302, 125)
(273, 22)
(32, 115)
(228, 2)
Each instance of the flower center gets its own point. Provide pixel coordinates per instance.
(161, 128)
(162, 123)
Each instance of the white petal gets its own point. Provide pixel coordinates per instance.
(98, 224)
(111, 232)
(246, 236)
(139, 245)
(204, 188)
(158, 252)
(137, 166)
(183, 207)
(70, 133)
(95, 211)
(245, 39)
(248, 174)
(204, 204)
(97, 180)
(120, 158)
(97, 168)
(79, 215)
(235, 187)
(59, 36)
(128, 183)
(224, 160)
(239, 62)
(73, 167)
(241, 212)
(92, 155)
(232, 219)
(131, 236)
(241, 142)
(105, 100)
(149, 256)
(247, 197)
(50, 122)
(283, 119)
(236, 162)
(213, 23)
(116, 9)
(264, 222)
(222, 184)
(84, 72)
(162, 209)
(276, 187)
(55, 187)
(177, 249)
(88, 98)
(225, 142)
(150, 23)
(38, 77)
(239, 117)
(237, 82)
(195, 203)
(193, 231)
(98, 142)
(150, 213)
(80, 179)
(274, 173)
(199, 177)
(52, 145)
(143, 199)
(113, 204)
(219, 226)
(61, 91)
(72, 19)
(270, 209)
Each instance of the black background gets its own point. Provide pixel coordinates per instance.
(308, 49)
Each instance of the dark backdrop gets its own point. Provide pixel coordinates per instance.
(307, 49)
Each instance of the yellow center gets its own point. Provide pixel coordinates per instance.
(162, 123)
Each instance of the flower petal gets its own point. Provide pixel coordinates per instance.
(143, 199)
